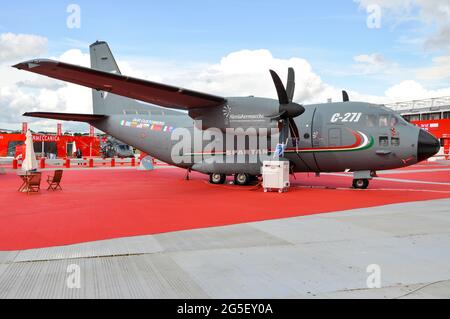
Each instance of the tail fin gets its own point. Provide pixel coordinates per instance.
(102, 59)
(106, 103)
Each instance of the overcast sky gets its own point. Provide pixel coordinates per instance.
(378, 50)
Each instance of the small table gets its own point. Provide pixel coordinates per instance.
(26, 177)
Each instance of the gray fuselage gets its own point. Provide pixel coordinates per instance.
(334, 137)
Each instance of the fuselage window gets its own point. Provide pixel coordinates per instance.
(395, 141)
(384, 141)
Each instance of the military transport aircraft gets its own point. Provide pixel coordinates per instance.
(355, 137)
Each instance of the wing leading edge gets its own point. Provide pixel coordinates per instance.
(88, 118)
(150, 92)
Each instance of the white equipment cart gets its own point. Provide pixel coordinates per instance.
(276, 176)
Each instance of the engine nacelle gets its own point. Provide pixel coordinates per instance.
(239, 114)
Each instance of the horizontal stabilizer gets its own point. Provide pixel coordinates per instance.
(88, 118)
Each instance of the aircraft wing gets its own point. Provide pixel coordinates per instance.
(88, 118)
(150, 92)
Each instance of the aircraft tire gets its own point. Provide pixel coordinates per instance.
(242, 179)
(217, 179)
(360, 183)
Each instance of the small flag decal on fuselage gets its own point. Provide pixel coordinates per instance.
(149, 125)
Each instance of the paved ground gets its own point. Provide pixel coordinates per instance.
(106, 204)
(303, 257)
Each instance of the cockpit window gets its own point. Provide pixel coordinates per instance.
(384, 120)
(371, 120)
(394, 121)
(400, 120)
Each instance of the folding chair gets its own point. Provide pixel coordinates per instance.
(33, 184)
(55, 180)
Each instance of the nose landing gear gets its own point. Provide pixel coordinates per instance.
(361, 179)
(360, 183)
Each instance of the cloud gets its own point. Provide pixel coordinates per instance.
(439, 40)
(412, 90)
(429, 11)
(438, 71)
(40, 83)
(373, 63)
(38, 93)
(433, 13)
(19, 46)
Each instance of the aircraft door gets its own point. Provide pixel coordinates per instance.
(326, 135)
(300, 151)
(334, 137)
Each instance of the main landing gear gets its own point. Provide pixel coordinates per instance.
(360, 183)
(241, 179)
(217, 179)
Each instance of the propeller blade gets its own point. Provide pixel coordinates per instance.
(345, 96)
(284, 132)
(294, 129)
(290, 88)
(281, 91)
(278, 116)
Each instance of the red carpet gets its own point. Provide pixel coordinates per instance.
(99, 204)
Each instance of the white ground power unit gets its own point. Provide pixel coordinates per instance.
(276, 176)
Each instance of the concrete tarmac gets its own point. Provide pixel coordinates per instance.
(319, 256)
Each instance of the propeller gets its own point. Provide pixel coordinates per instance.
(288, 109)
(345, 97)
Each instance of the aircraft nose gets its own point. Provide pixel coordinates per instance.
(428, 146)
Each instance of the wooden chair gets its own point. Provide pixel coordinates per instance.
(55, 180)
(33, 184)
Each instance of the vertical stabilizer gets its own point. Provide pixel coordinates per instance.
(106, 103)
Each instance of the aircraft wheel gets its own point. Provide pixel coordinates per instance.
(242, 179)
(217, 179)
(361, 183)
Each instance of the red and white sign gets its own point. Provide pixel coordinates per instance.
(59, 129)
(46, 138)
(439, 128)
(24, 127)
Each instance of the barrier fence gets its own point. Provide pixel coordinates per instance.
(69, 163)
